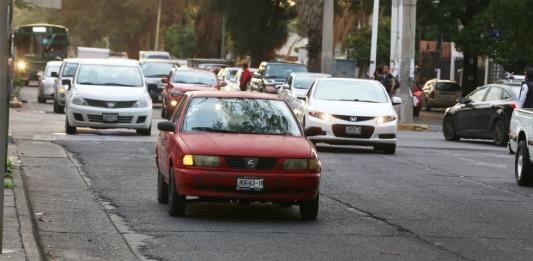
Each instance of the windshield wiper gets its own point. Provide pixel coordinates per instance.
(209, 129)
(87, 83)
(116, 84)
(358, 100)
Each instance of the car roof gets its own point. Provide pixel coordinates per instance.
(152, 60)
(348, 79)
(73, 60)
(123, 62)
(54, 63)
(154, 52)
(325, 75)
(222, 94)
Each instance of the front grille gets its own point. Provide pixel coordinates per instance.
(100, 118)
(352, 118)
(262, 164)
(340, 131)
(110, 104)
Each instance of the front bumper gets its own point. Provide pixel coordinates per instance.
(129, 118)
(373, 133)
(222, 184)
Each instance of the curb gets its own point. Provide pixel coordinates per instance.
(28, 225)
(414, 127)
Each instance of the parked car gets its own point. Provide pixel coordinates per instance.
(483, 114)
(216, 147)
(298, 84)
(520, 141)
(182, 80)
(154, 70)
(48, 81)
(154, 55)
(272, 74)
(108, 93)
(235, 84)
(352, 112)
(440, 93)
(66, 72)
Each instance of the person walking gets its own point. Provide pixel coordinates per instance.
(246, 76)
(525, 100)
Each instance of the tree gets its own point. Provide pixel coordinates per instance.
(180, 40)
(310, 25)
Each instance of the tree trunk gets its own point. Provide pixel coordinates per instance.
(315, 52)
(470, 74)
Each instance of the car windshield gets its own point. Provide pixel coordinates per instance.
(156, 69)
(447, 87)
(194, 77)
(304, 82)
(283, 70)
(51, 69)
(110, 75)
(346, 90)
(70, 69)
(230, 75)
(240, 115)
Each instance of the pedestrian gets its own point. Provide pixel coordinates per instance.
(246, 76)
(525, 100)
(389, 81)
(377, 73)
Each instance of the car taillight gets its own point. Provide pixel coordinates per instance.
(514, 105)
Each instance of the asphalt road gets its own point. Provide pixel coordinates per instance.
(433, 200)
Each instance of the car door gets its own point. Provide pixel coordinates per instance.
(488, 110)
(165, 146)
(466, 119)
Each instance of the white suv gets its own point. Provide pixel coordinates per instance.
(108, 93)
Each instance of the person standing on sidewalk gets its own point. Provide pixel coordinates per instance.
(525, 100)
(246, 76)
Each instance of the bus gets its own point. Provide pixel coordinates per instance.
(35, 45)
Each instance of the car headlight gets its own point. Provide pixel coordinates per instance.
(385, 119)
(77, 100)
(302, 164)
(201, 161)
(61, 89)
(21, 65)
(320, 115)
(143, 103)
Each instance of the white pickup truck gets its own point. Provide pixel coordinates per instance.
(521, 142)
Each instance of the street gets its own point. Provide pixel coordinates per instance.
(432, 200)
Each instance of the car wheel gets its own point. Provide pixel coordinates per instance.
(523, 167)
(499, 134)
(162, 189)
(70, 130)
(41, 100)
(448, 129)
(176, 203)
(58, 108)
(386, 148)
(145, 132)
(309, 209)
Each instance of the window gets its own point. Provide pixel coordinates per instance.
(477, 95)
(110, 75)
(179, 108)
(447, 87)
(350, 90)
(69, 69)
(495, 94)
(506, 95)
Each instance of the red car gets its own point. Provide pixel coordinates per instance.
(236, 146)
(182, 80)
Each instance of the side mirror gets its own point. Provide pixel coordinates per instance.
(396, 100)
(166, 126)
(164, 80)
(67, 82)
(313, 131)
(55, 75)
(461, 100)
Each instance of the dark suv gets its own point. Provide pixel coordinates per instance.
(272, 74)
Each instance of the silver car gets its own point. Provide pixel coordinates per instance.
(48, 81)
(440, 93)
(66, 72)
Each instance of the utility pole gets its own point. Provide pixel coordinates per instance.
(408, 59)
(4, 108)
(327, 36)
(395, 36)
(156, 45)
(374, 41)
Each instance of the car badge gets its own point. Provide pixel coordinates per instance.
(110, 104)
(251, 163)
(353, 119)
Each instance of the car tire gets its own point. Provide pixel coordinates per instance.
(41, 100)
(145, 132)
(162, 189)
(69, 130)
(499, 134)
(386, 148)
(177, 203)
(309, 209)
(448, 129)
(58, 108)
(523, 167)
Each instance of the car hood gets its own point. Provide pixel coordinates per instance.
(350, 108)
(247, 145)
(110, 93)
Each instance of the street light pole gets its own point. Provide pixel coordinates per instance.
(408, 59)
(374, 41)
(156, 45)
(327, 36)
(4, 108)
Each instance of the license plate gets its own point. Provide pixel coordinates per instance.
(353, 130)
(33, 83)
(250, 184)
(110, 117)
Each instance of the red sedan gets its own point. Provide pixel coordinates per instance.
(182, 80)
(236, 146)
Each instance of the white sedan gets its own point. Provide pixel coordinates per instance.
(352, 112)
